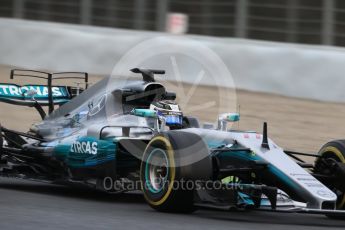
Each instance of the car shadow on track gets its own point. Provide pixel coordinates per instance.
(249, 217)
(270, 218)
(75, 192)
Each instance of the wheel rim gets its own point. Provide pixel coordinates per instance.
(157, 170)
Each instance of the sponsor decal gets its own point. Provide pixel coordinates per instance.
(84, 147)
(325, 194)
(307, 179)
(314, 185)
(300, 174)
(11, 90)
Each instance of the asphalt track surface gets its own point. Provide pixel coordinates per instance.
(31, 205)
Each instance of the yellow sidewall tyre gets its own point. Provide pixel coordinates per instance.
(162, 175)
(336, 151)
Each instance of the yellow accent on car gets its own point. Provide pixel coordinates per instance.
(170, 152)
(230, 179)
(227, 180)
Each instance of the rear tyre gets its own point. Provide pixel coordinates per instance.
(333, 151)
(168, 165)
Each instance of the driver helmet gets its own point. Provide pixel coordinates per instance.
(170, 110)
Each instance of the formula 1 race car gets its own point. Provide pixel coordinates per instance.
(117, 134)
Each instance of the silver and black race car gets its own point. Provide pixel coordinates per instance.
(131, 135)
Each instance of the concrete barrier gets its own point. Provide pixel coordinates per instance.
(306, 71)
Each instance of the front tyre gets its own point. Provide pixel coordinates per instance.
(166, 168)
(331, 153)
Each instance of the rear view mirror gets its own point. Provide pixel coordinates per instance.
(160, 122)
(230, 117)
(224, 118)
(145, 113)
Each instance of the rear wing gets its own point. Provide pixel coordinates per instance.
(49, 77)
(44, 95)
(14, 92)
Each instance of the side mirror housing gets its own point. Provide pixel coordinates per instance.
(231, 117)
(160, 122)
(224, 118)
(145, 113)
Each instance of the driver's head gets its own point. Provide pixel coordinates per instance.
(170, 111)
